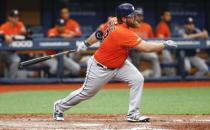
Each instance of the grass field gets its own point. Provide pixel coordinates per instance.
(154, 101)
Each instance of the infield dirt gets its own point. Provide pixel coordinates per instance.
(103, 122)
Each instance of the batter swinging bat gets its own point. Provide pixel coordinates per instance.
(44, 58)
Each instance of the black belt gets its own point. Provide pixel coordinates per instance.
(105, 67)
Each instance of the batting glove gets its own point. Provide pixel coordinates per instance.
(82, 46)
(169, 44)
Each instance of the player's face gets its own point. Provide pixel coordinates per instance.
(167, 16)
(65, 13)
(131, 21)
(190, 26)
(139, 18)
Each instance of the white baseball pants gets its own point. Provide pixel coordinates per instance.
(97, 77)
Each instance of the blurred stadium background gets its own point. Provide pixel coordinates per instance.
(40, 16)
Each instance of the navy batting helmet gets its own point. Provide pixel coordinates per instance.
(125, 9)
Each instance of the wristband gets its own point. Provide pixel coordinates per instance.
(99, 35)
(86, 44)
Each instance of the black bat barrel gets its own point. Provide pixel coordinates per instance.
(33, 61)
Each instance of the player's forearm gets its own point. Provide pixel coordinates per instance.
(193, 36)
(8, 39)
(150, 47)
(154, 47)
(91, 39)
(87, 43)
(23, 31)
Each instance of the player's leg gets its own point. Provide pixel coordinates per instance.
(13, 59)
(187, 64)
(72, 66)
(167, 59)
(96, 77)
(200, 64)
(128, 73)
(153, 58)
(53, 65)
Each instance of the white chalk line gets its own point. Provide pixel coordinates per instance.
(182, 120)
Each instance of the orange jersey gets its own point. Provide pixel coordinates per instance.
(9, 29)
(163, 30)
(1, 32)
(73, 26)
(114, 48)
(144, 30)
(55, 32)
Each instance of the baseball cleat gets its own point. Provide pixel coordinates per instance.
(57, 115)
(137, 118)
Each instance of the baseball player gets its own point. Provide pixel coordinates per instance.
(109, 62)
(70, 65)
(70, 24)
(191, 32)
(163, 31)
(11, 29)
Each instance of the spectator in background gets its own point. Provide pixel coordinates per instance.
(163, 27)
(144, 30)
(11, 29)
(70, 65)
(191, 32)
(70, 24)
(59, 30)
(163, 32)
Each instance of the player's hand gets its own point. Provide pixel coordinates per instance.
(82, 46)
(170, 44)
(8, 39)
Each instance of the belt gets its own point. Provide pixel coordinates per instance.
(105, 67)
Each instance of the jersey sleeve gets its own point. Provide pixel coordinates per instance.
(51, 33)
(21, 25)
(4, 29)
(130, 40)
(74, 26)
(68, 32)
(102, 27)
(77, 29)
(1, 32)
(105, 25)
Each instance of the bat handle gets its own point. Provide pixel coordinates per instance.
(63, 53)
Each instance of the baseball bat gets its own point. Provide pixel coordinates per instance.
(41, 59)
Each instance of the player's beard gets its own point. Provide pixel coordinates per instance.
(136, 24)
(131, 23)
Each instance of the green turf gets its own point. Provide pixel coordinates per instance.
(154, 101)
